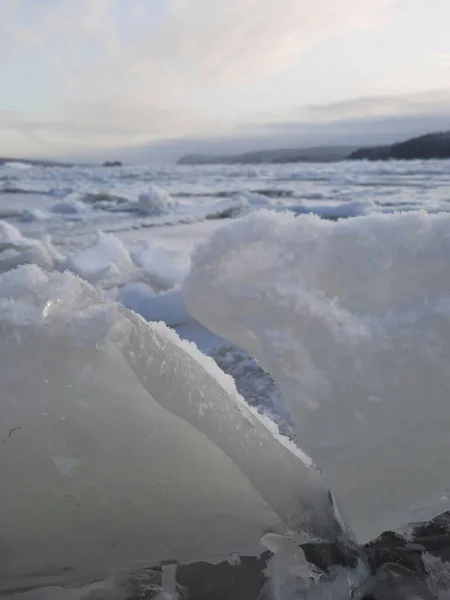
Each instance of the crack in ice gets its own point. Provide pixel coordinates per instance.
(8, 437)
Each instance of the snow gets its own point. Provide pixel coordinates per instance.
(168, 307)
(20, 166)
(337, 211)
(164, 268)
(9, 235)
(110, 262)
(155, 201)
(106, 263)
(125, 447)
(352, 319)
(253, 199)
(227, 209)
(135, 296)
(36, 215)
(341, 333)
(16, 249)
(69, 206)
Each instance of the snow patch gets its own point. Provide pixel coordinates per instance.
(20, 166)
(155, 201)
(69, 206)
(164, 268)
(340, 313)
(15, 249)
(107, 263)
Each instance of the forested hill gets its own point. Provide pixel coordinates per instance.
(432, 145)
(278, 156)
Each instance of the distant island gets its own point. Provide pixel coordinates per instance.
(279, 156)
(432, 145)
(112, 163)
(429, 146)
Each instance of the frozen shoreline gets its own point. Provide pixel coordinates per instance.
(330, 310)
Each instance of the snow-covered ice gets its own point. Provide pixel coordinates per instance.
(16, 249)
(335, 331)
(164, 268)
(155, 201)
(124, 446)
(108, 262)
(352, 320)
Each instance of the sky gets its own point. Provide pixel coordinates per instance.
(142, 78)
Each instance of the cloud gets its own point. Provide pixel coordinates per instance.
(364, 121)
(150, 68)
(404, 104)
(443, 58)
(7, 29)
(231, 40)
(431, 106)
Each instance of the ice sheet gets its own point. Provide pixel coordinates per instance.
(124, 446)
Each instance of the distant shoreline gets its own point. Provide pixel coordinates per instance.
(424, 147)
(431, 146)
(321, 154)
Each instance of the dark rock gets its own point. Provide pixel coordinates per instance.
(203, 581)
(394, 582)
(327, 556)
(399, 556)
(398, 571)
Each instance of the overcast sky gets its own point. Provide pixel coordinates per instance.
(84, 77)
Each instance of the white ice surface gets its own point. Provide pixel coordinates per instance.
(122, 446)
(167, 307)
(155, 201)
(135, 296)
(353, 321)
(16, 249)
(164, 268)
(107, 262)
(183, 193)
(69, 206)
(20, 166)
